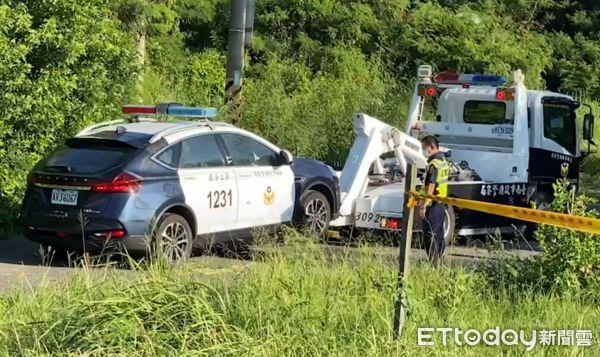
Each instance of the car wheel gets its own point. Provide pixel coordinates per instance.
(173, 239)
(449, 225)
(317, 213)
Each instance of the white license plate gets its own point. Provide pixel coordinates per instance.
(64, 197)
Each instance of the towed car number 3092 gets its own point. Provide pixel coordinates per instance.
(64, 197)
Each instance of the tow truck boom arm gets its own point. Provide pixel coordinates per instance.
(372, 139)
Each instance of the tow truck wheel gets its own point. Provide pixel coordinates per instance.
(173, 239)
(449, 225)
(542, 201)
(317, 213)
(418, 241)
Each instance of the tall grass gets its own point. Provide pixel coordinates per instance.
(287, 303)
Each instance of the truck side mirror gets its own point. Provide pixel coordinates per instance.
(588, 126)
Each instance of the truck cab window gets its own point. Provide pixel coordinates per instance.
(560, 124)
(484, 112)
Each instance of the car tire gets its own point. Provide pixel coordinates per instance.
(173, 239)
(316, 213)
(419, 241)
(449, 225)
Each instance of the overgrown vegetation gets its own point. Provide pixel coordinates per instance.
(66, 64)
(570, 261)
(297, 303)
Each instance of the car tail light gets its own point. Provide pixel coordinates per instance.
(124, 183)
(115, 233)
(390, 223)
(505, 94)
(427, 90)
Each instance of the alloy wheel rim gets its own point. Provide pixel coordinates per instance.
(174, 242)
(316, 216)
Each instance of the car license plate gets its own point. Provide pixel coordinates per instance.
(64, 197)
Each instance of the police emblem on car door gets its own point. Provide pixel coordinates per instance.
(266, 184)
(269, 196)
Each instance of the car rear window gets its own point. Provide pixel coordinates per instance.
(88, 156)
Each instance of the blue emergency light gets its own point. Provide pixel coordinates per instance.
(489, 79)
(449, 77)
(173, 109)
(198, 112)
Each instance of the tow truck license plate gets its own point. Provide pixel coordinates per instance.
(64, 197)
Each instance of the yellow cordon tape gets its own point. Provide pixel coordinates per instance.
(562, 220)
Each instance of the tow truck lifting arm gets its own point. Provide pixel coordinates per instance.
(372, 139)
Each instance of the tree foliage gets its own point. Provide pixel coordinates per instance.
(64, 64)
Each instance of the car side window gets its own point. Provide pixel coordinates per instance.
(201, 151)
(246, 151)
(170, 156)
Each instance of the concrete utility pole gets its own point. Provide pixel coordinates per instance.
(240, 35)
(405, 244)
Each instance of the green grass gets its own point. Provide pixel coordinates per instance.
(287, 304)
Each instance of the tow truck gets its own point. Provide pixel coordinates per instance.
(505, 144)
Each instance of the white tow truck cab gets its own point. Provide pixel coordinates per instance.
(506, 144)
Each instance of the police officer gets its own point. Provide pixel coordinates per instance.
(432, 212)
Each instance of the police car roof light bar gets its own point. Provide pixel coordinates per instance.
(139, 109)
(172, 109)
(197, 112)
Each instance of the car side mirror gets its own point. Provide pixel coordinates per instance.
(588, 126)
(286, 157)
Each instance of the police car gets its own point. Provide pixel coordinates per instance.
(142, 182)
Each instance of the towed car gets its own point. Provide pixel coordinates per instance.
(143, 183)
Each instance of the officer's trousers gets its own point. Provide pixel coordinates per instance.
(433, 231)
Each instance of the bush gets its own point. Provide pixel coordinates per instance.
(292, 106)
(64, 64)
(569, 262)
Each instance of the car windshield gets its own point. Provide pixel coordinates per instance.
(88, 156)
(560, 125)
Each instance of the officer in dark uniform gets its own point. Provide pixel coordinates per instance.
(433, 213)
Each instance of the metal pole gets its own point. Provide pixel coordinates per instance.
(405, 243)
(235, 58)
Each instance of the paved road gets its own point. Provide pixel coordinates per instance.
(21, 265)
